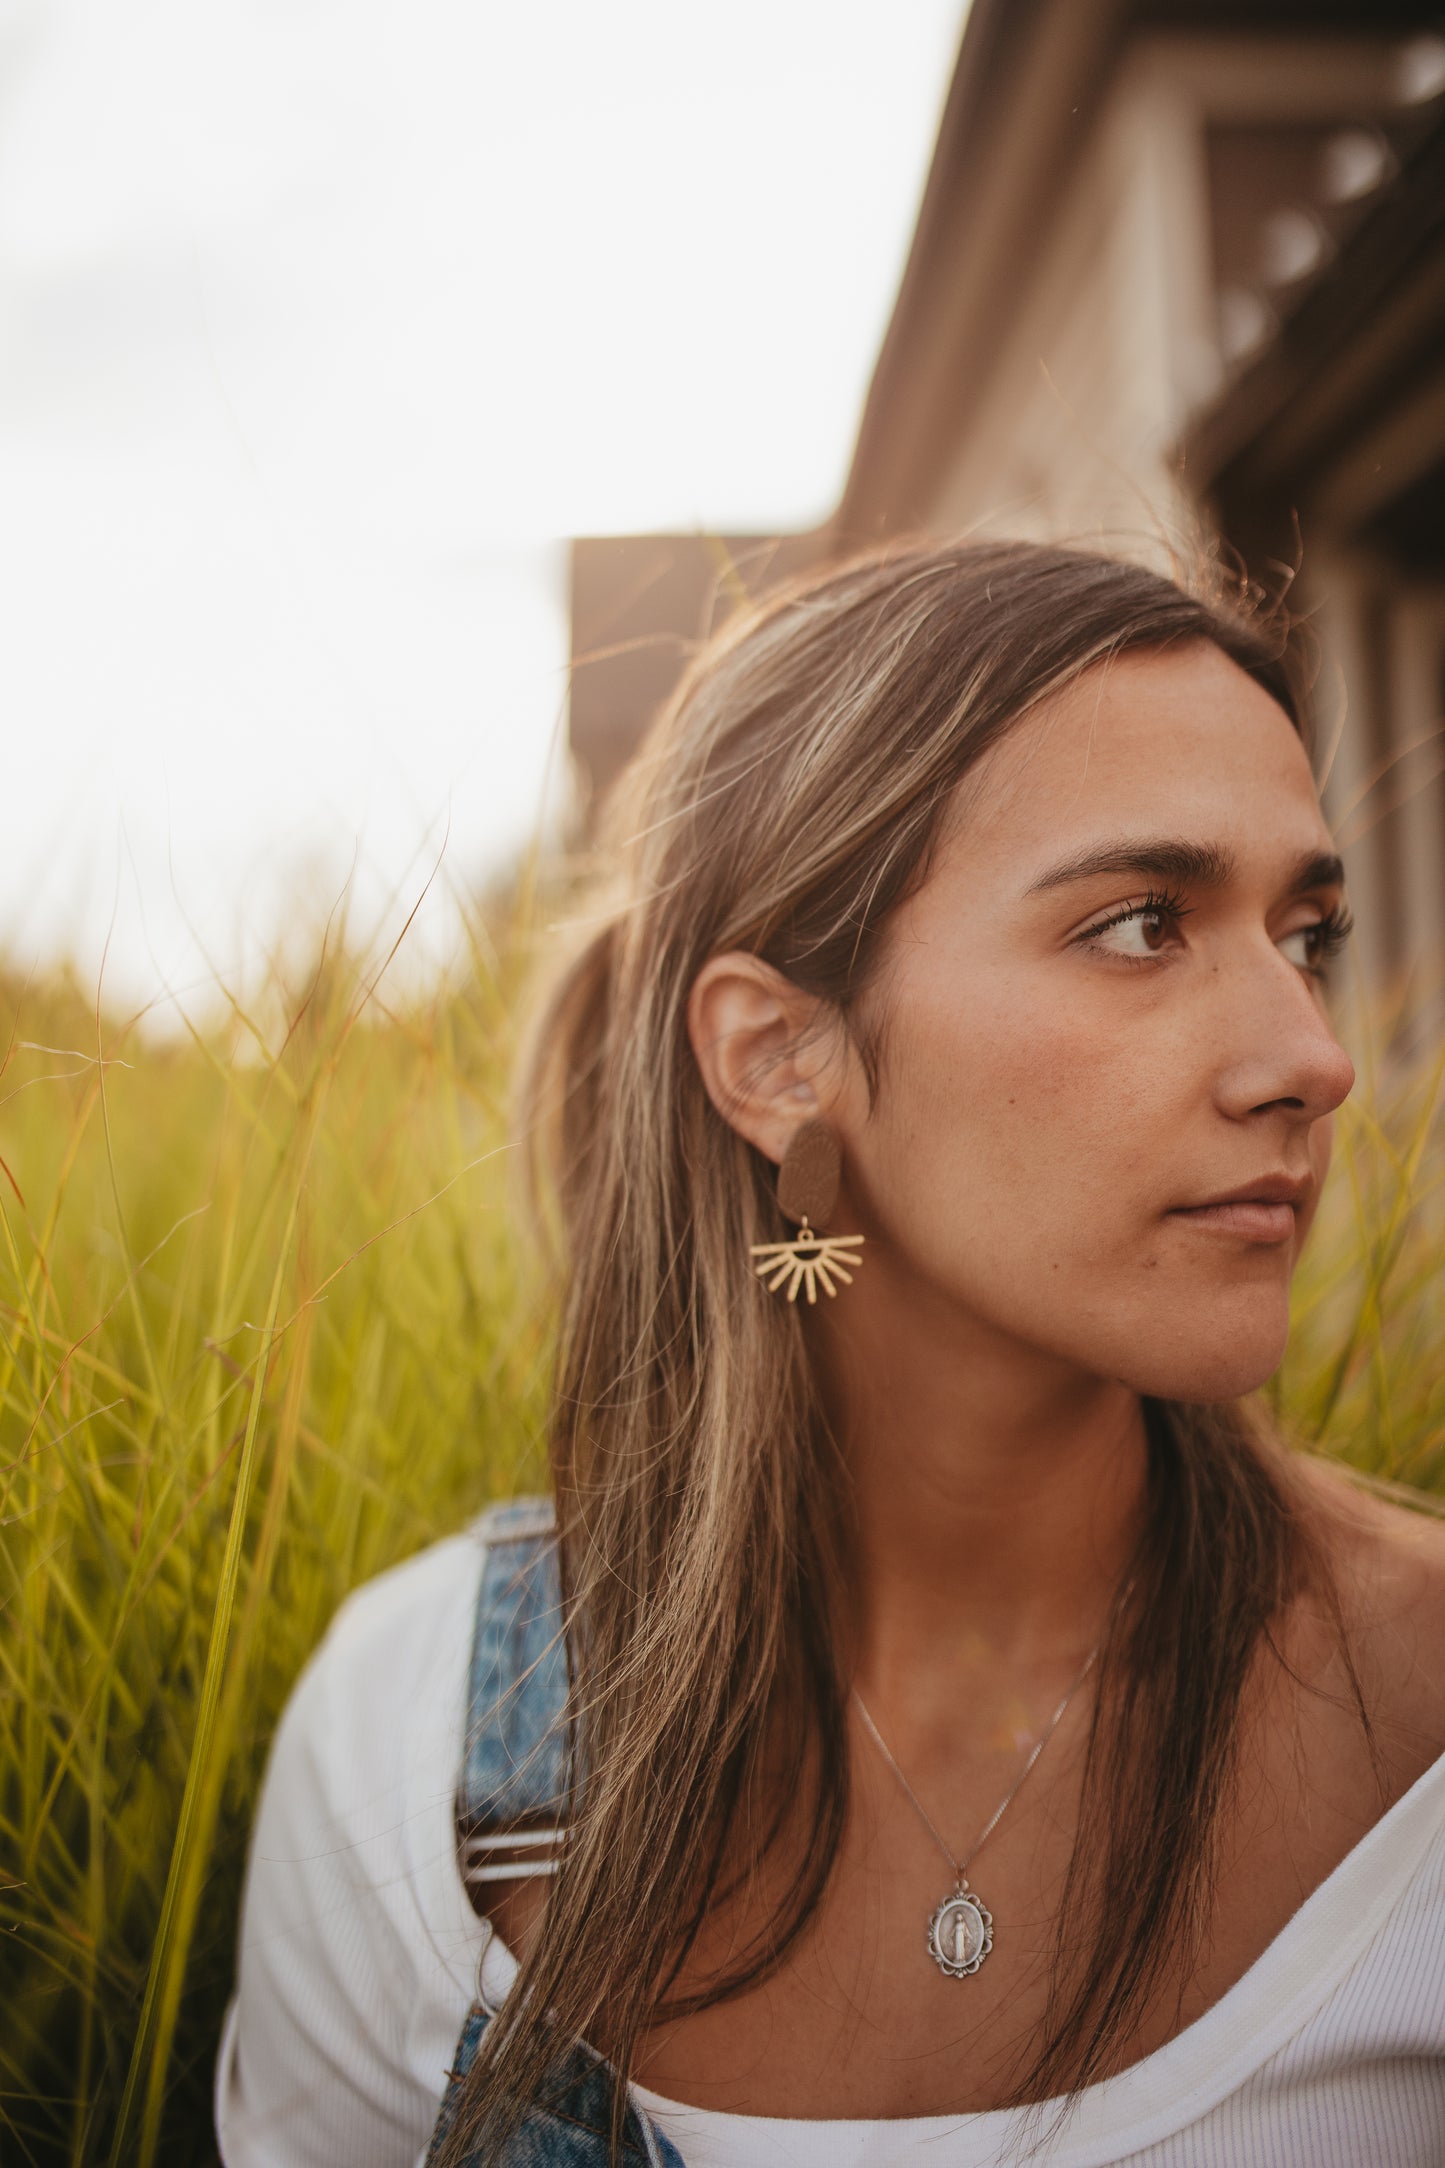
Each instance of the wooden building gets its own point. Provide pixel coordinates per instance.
(1179, 271)
(639, 606)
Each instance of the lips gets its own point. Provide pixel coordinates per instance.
(1255, 1220)
(1263, 1211)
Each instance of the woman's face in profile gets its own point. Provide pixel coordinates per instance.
(1102, 1020)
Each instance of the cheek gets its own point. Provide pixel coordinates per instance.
(1020, 1161)
(1024, 1115)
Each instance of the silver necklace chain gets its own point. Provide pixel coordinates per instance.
(960, 1866)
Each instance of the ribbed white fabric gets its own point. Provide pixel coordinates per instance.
(359, 1957)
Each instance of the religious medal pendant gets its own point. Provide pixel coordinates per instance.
(960, 1934)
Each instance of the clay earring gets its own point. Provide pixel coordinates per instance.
(807, 1193)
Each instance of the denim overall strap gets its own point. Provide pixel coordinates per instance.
(569, 2126)
(514, 1774)
(511, 1807)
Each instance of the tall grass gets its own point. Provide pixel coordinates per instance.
(1364, 1377)
(262, 1337)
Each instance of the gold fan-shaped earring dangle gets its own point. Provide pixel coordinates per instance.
(807, 1192)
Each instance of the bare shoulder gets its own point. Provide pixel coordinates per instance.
(1388, 1558)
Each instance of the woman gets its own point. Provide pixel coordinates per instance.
(982, 1742)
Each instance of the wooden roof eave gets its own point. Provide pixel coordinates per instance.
(1364, 336)
(1027, 81)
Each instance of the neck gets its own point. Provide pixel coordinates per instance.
(998, 1492)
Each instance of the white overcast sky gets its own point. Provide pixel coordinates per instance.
(320, 326)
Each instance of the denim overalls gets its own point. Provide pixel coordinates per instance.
(512, 1801)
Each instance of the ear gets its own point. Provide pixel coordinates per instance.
(763, 1046)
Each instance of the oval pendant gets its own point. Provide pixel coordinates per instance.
(960, 1934)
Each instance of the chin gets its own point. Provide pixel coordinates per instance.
(1207, 1373)
(1210, 1357)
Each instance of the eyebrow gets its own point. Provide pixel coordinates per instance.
(1194, 865)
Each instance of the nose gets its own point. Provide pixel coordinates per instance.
(1284, 1050)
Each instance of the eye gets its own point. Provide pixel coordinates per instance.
(1311, 947)
(1139, 930)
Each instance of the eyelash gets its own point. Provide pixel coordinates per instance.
(1332, 931)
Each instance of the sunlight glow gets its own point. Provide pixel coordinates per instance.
(323, 326)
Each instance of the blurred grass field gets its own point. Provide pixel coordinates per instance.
(264, 1335)
(262, 1338)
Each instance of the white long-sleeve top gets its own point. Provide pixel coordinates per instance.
(360, 1955)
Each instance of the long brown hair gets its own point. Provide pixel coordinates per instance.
(785, 803)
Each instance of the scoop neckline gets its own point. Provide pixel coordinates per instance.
(1174, 2085)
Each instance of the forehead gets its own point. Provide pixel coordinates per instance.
(1180, 743)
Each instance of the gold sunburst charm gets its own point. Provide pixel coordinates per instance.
(806, 1260)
